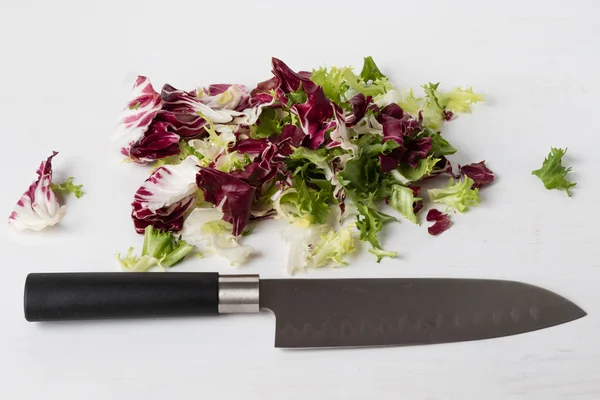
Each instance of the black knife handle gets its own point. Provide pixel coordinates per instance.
(78, 296)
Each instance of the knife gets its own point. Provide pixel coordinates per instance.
(310, 312)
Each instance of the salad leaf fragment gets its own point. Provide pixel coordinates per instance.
(456, 194)
(553, 173)
(38, 207)
(480, 174)
(160, 248)
(442, 222)
(67, 187)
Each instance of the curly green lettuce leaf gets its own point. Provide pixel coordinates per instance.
(216, 149)
(370, 71)
(67, 187)
(339, 84)
(408, 102)
(378, 87)
(458, 100)
(333, 82)
(362, 175)
(436, 103)
(553, 173)
(333, 246)
(270, 122)
(159, 249)
(298, 96)
(369, 222)
(312, 202)
(456, 194)
(319, 157)
(402, 199)
(304, 202)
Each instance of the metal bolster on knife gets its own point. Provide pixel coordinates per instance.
(239, 294)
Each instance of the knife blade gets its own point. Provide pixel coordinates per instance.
(311, 312)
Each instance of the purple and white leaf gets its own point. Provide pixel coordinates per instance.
(38, 208)
(139, 113)
(166, 196)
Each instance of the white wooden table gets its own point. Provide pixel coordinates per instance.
(66, 70)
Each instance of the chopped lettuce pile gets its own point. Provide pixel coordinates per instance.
(334, 154)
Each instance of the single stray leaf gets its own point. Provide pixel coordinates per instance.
(552, 173)
(441, 222)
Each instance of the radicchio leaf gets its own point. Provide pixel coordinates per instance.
(38, 207)
(442, 222)
(359, 103)
(251, 146)
(261, 170)
(315, 117)
(480, 174)
(288, 80)
(291, 137)
(166, 196)
(418, 205)
(139, 113)
(226, 97)
(158, 142)
(416, 150)
(232, 194)
(179, 101)
(187, 125)
(265, 87)
(388, 163)
(402, 127)
(340, 136)
(398, 128)
(391, 111)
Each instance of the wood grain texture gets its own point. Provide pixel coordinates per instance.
(66, 70)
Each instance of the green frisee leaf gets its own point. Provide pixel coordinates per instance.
(312, 203)
(456, 194)
(159, 248)
(369, 222)
(333, 247)
(297, 97)
(370, 71)
(269, 123)
(333, 83)
(67, 187)
(553, 173)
